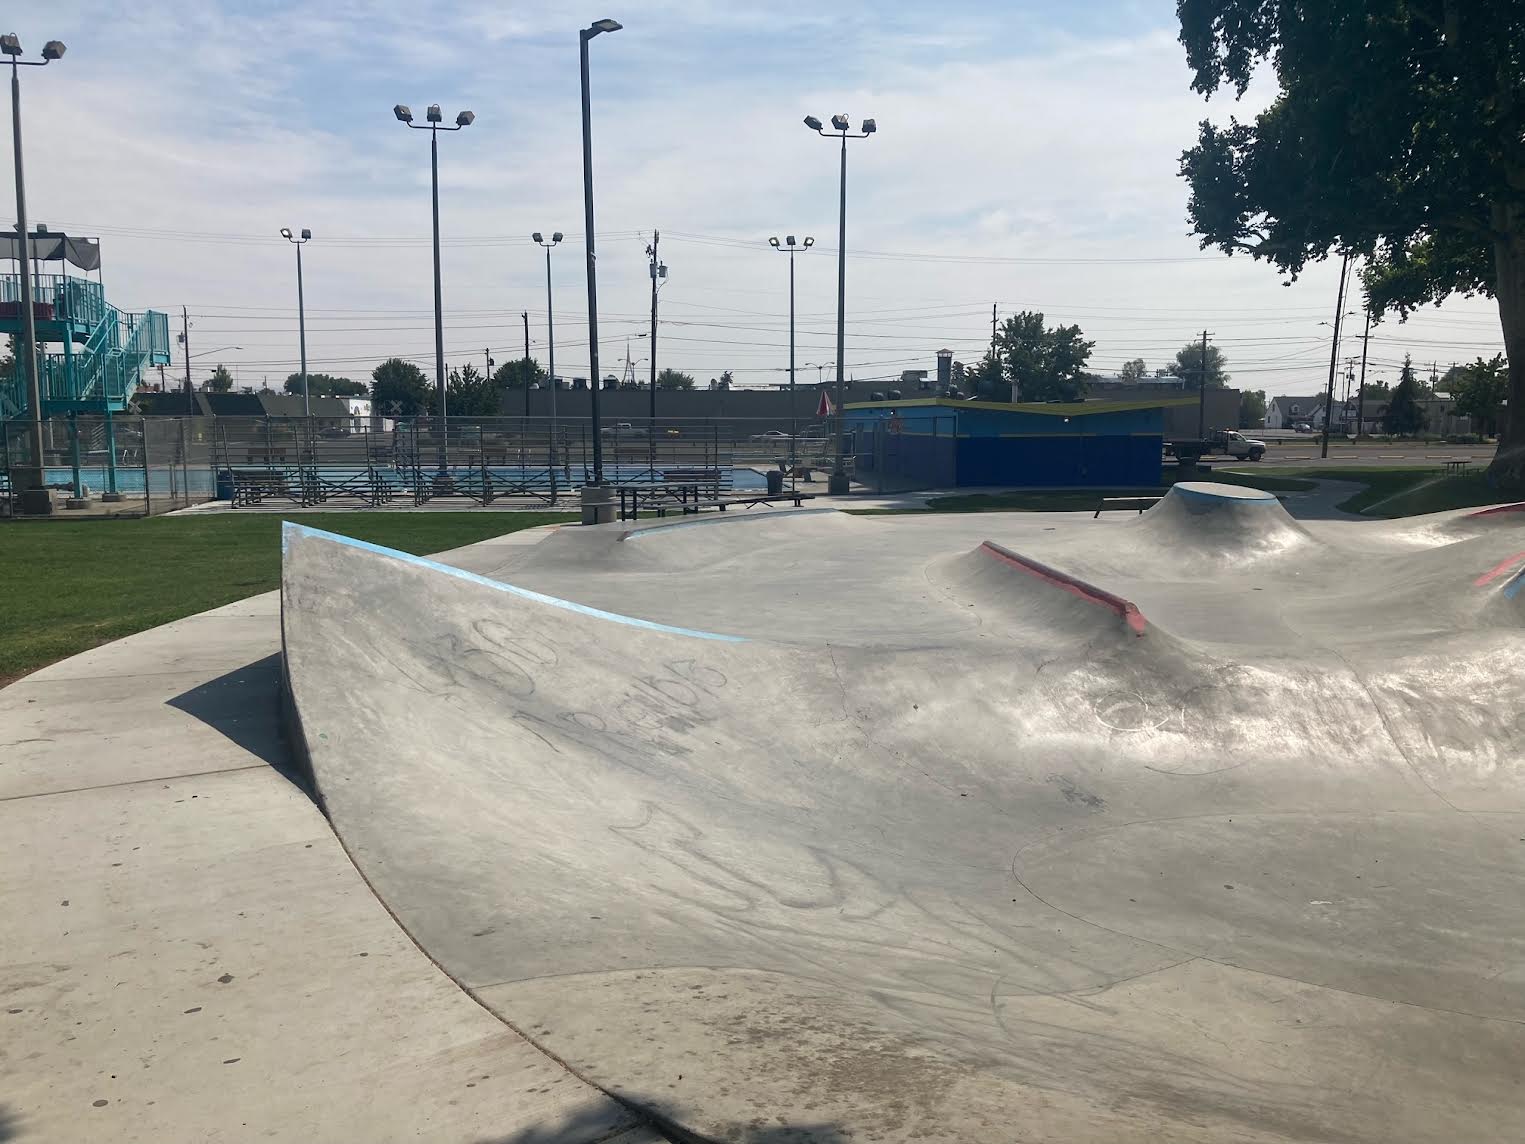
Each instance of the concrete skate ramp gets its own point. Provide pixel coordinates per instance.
(1043, 877)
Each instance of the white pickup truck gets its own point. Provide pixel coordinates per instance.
(1225, 441)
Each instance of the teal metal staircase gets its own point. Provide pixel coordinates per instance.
(104, 350)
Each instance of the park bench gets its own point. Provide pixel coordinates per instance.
(1457, 467)
(1109, 503)
(630, 507)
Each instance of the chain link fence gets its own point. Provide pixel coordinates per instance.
(131, 465)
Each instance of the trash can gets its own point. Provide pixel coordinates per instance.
(775, 482)
(224, 484)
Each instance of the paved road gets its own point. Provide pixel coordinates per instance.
(1198, 826)
(1305, 452)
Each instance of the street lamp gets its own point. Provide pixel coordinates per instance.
(433, 127)
(10, 45)
(550, 333)
(790, 246)
(839, 483)
(301, 311)
(596, 28)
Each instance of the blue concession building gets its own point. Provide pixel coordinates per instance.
(943, 441)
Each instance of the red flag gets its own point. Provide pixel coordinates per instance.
(824, 408)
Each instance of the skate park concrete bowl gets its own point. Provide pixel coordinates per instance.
(1198, 825)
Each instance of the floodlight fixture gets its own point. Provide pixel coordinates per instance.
(53, 50)
(433, 114)
(403, 112)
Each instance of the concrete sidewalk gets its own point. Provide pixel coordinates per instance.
(186, 951)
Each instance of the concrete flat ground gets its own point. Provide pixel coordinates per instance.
(1305, 451)
(1201, 825)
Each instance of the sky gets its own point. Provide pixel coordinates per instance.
(1026, 158)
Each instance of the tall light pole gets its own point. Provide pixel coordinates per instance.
(789, 245)
(301, 311)
(550, 332)
(839, 483)
(10, 45)
(596, 28)
(434, 126)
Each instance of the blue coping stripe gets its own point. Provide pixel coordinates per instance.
(290, 528)
(1514, 584)
(1260, 497)
(637, 533)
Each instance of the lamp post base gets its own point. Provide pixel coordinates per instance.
(597, 504)
(838, 485)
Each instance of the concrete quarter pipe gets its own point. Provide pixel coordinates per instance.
(1203, 825)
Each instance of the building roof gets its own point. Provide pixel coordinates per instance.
(1047, 408)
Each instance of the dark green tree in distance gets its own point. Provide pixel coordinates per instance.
(675, 379)
(399, 389)
(1045, 364)
(1133, 370)
(1188, 366)
(1405, 416)
(1479, 390)
(471, 394)
(726, 380)
(518, 373)
(1398, 135)
(324, 385)
(1252, 409)
(221, 381)
(1375, 387)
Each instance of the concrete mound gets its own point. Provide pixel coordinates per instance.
(1033, 597)
(1225, 524)
(1057, 889)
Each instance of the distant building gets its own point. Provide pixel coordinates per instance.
(1289, 412)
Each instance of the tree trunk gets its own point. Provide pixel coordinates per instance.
(1508, 468)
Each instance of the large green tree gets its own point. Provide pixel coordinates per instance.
(1045, 364)
(1188, 366)
(220, 381)
(518, 373)
(1404, 416)
(471, 394)
(399, 389)
(1479, 390)
(324, 385)
(1252, 409)
(1133, 370)
(1398, 135)
(675, 379)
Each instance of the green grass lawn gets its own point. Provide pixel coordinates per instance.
(1407, 491)
(1078, 500)
(70, 585)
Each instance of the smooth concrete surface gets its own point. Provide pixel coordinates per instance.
(186, 951)
(1201, 825)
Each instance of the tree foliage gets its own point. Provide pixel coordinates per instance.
(1398, 134)
(518, 373)
(220, 381)
(1404, 416)
(1252, 409)
(469, 393)
(1135, 369)
(1045, 364)
(1188, 366)
(1479, 390)
(324, 385)
(674, 379)
(399, 389)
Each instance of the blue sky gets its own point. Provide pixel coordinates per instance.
(186, 135)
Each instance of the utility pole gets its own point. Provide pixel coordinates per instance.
(1361, 390)
(1334, 354)
(993, 305)
(656, 269)
(185, 338)
(527, 370)
(1202, 390)
(487, 354)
